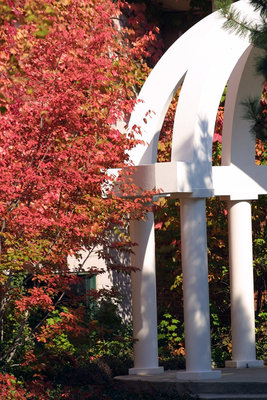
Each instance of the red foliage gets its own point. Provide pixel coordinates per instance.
(67, 75)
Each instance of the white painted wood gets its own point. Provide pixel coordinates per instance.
(195, 289)
(205, 59)
(144, 299)
(242, 290)
(160, 86)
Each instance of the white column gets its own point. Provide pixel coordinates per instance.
(242, 286)
(195, 291)
(144, 299)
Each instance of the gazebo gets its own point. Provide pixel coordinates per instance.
(204, 60)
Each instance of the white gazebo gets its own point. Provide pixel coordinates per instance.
(204, 59)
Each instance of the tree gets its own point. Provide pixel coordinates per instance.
(68, 73)
(256, 110)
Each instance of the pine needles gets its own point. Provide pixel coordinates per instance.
(257, 31)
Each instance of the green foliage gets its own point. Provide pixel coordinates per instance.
(170, 336)
(253, 111)
(261, 340)
(110, 337)
(259, 218)
(168, 255)
(171, 343)
(220, 338)
(235, 22)
(107, 317)
(118, 343)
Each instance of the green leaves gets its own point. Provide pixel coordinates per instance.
(3, 104)
(169, 332)
(42, 31)
(3, 110)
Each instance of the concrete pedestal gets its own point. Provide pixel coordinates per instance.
(198, 375)
(146, 371)
(244, 364)
(242, 287)
(144, 299)
(195, 291)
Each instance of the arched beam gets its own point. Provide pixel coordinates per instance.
(167, 75)
(204, 83)
(160, 87)
(238, 145)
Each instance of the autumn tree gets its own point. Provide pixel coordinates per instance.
(69, 72)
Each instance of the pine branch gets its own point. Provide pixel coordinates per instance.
(234, 22)
(261, 66)
(261, 6)
(255, 114)
(257, 32)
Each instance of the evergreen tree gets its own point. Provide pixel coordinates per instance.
(256, 110)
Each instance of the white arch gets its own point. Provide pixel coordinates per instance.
(206, 57)
(219, 57)
(161, 85)
(239, 177)
(212, 43)
(207, 76)
(238, 144)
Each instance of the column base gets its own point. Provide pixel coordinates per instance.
(146, 371)
(244, 364)
(198, 375)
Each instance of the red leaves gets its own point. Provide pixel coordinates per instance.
(55, 133)
(38, 298)
(159, 225)
(67, 76)
(218, 126)
(143, 35)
